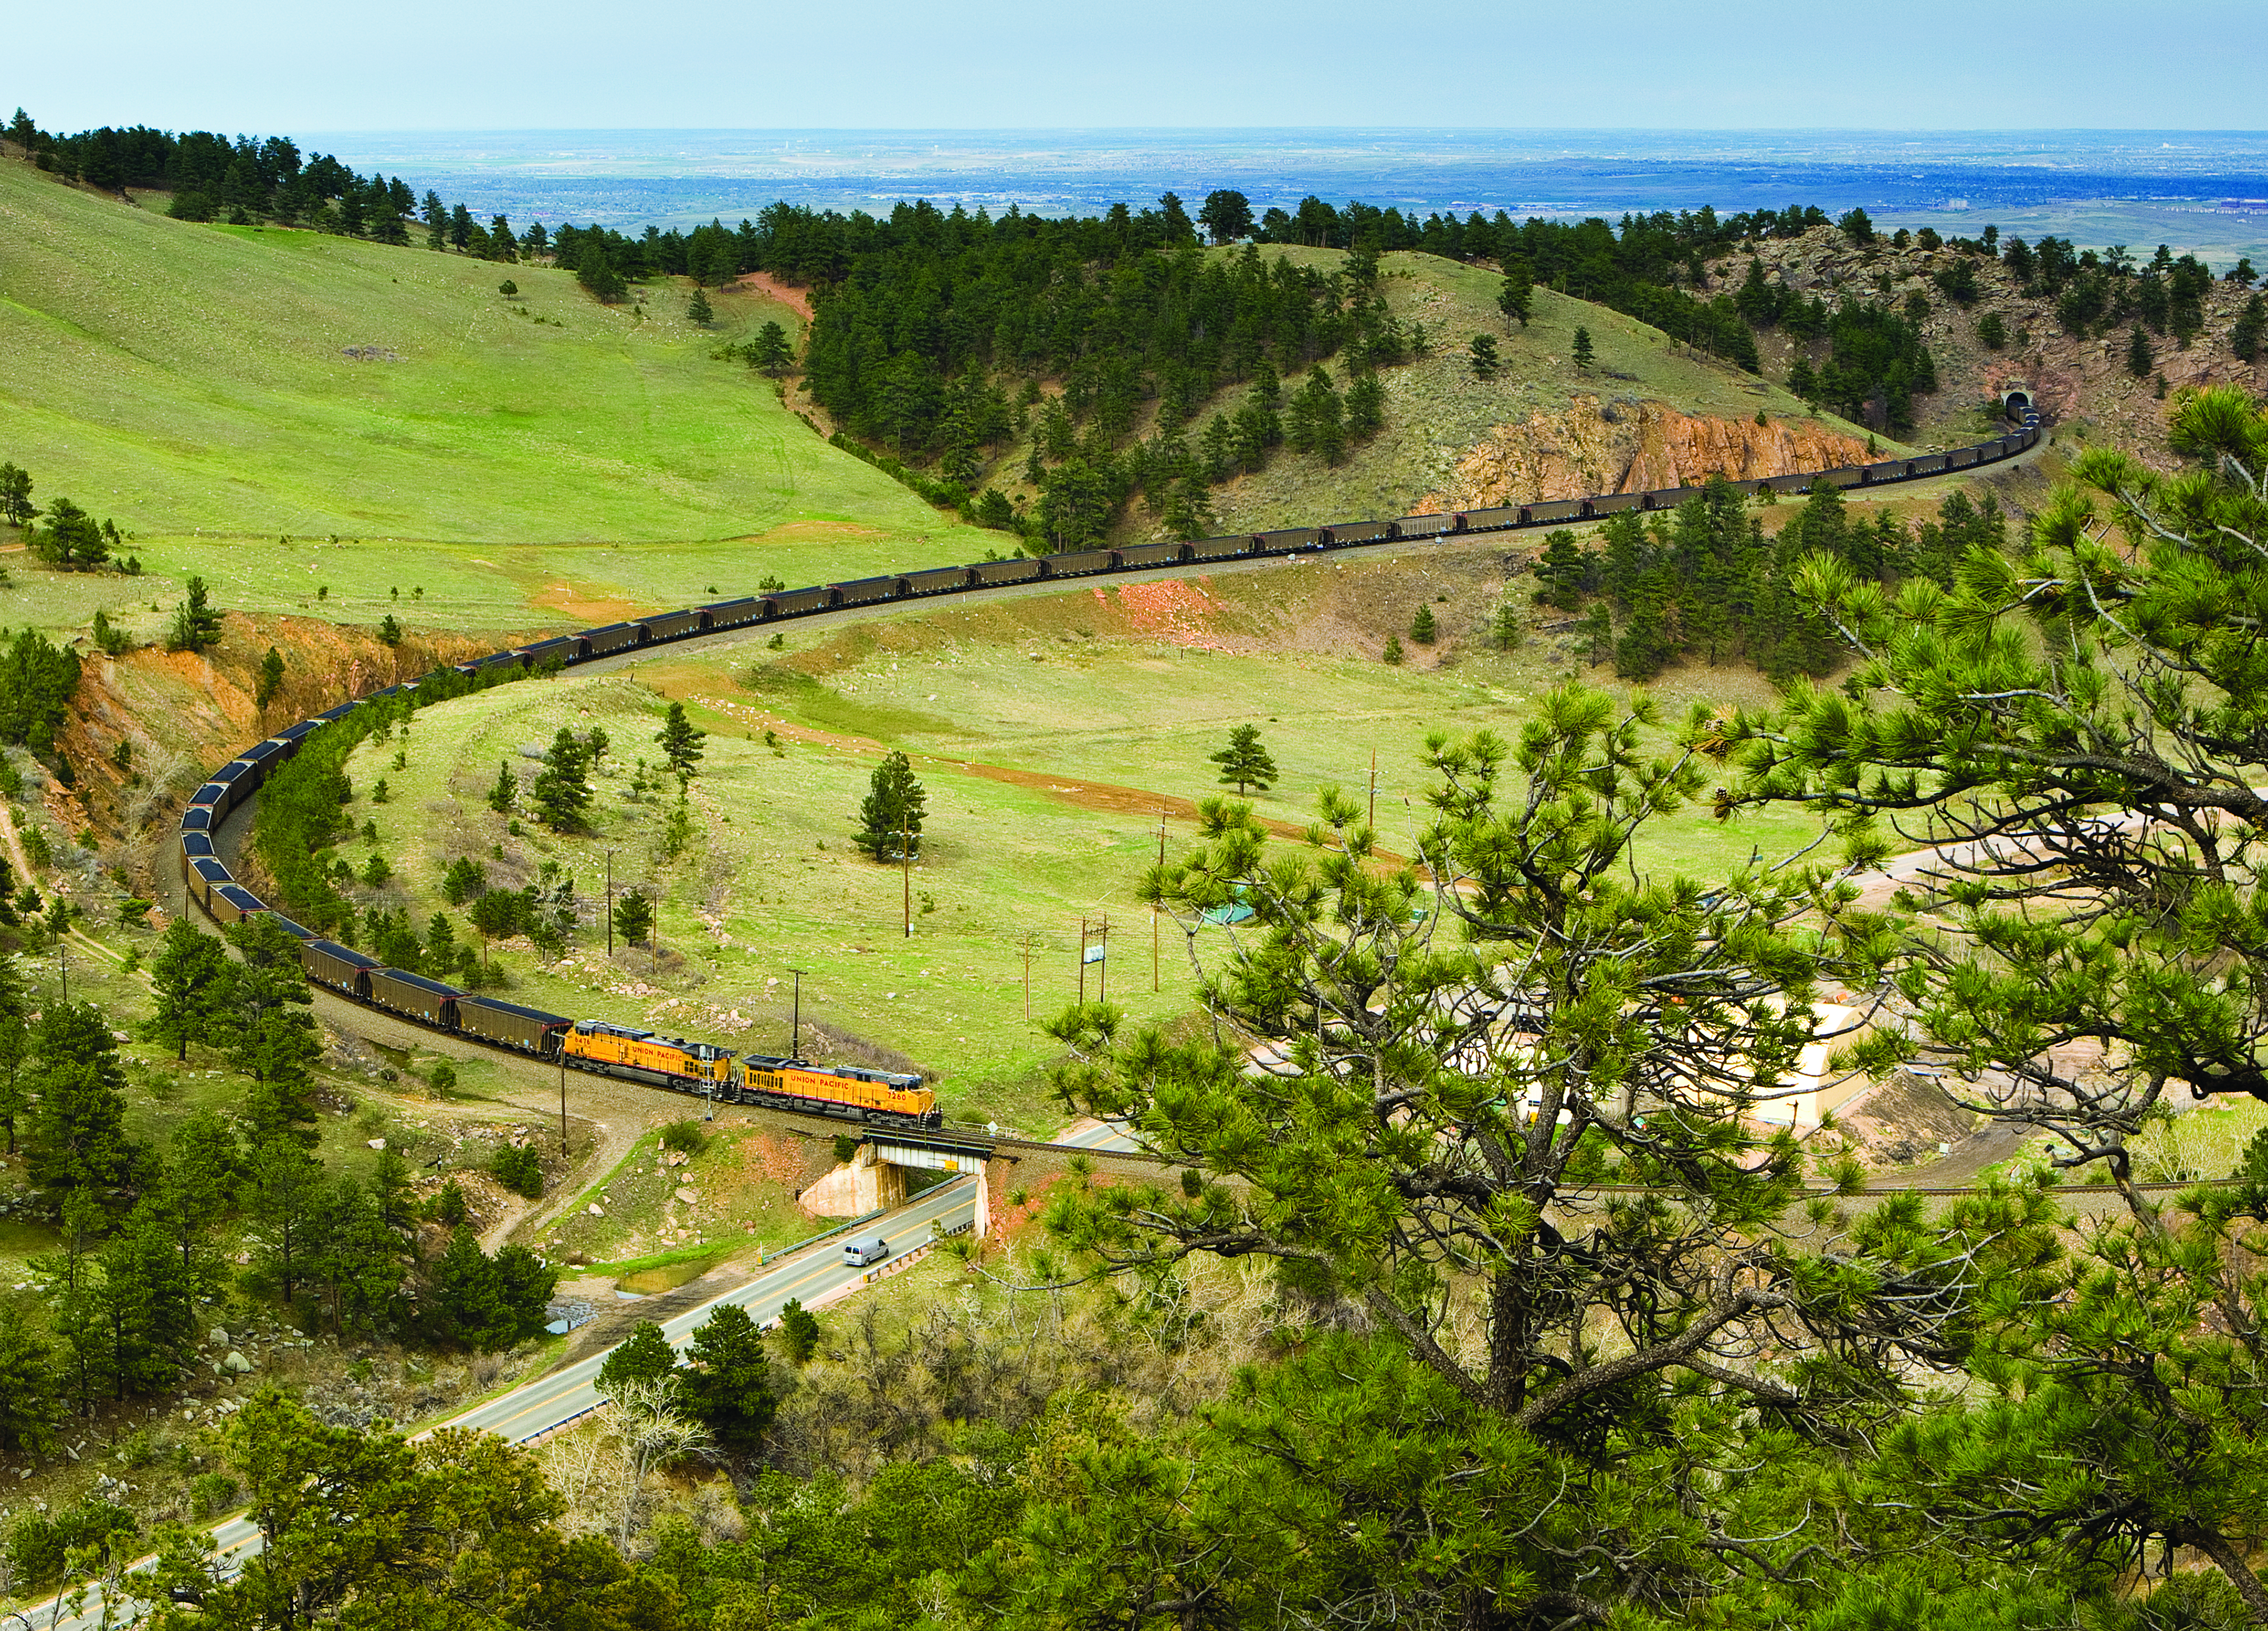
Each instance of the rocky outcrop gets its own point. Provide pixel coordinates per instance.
(1627, 447)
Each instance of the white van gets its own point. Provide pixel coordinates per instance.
(859, 1253)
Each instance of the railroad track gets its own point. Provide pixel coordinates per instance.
(416, 1001)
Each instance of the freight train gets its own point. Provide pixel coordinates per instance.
(875, 1095)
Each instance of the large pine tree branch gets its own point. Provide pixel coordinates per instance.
(1679, 1350)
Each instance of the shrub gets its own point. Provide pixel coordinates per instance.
(799, 1329)
(686, 1136)
(517, 1169)
(449, 1205)
(211, 1493)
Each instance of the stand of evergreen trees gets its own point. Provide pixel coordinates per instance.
(1705, 581)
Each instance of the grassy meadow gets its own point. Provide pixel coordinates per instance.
(193, 381)
(1050, 732)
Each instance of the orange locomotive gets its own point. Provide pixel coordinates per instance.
(642, 1057)
(869, 1095)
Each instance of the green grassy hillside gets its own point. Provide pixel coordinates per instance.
(1051, 730)
(193, 382)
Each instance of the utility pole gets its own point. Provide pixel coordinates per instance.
(795, 1019)
(611, 903)
(1102, 975)
(1373, 789)
(562, 1095)
(1082, 962)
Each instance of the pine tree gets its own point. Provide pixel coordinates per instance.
(681, 741)
(1597, 634)
(1392, 655)
(2243, 339)
(1366, 407)
(1564, 569)
(698, 308)
(727, 1385)
(799, 1329)
(562, 790)
(644, 1356)
(465, 880)
(284, 1193)
(1506, 631)
(1483, 357)
(271, 1029)
(78, 1131)
(890, 816)
(16, 506)
(1583, 351)
(677, 832)
(1245, 762)
(2141, 361)
(633, 916)
(271, 679)
(189, 979)
(474, 1301)
(506, 788)
(771, 349)
(30, 1406)
(196, 624)
(1517, 296)
(1422, 627)
(15, 1040)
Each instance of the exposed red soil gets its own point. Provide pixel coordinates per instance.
(796, 300)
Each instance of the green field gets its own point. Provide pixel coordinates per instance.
(1050, 731)
(192, 381)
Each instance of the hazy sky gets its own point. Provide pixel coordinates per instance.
(263, 66)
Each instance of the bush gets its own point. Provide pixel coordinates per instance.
(799, 1329)
(686, 1136)
(449, 1205)
(442, 1078)
(39, 1545)
(211, 1493)
(517, 1169)
(846, 1148)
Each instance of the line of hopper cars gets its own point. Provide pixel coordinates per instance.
(867, 1095)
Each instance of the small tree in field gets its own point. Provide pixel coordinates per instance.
(271, 679)
(890, 816)
(771, 350)
(681, 741)
(1484, 359)
(1244, 763)
(562, 790)
(634, 916)
(1422, 630)
(698, 308)
(196, 624)
(1516, 299)
(1583, 350)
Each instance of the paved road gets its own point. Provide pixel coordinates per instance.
(536, 1408)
